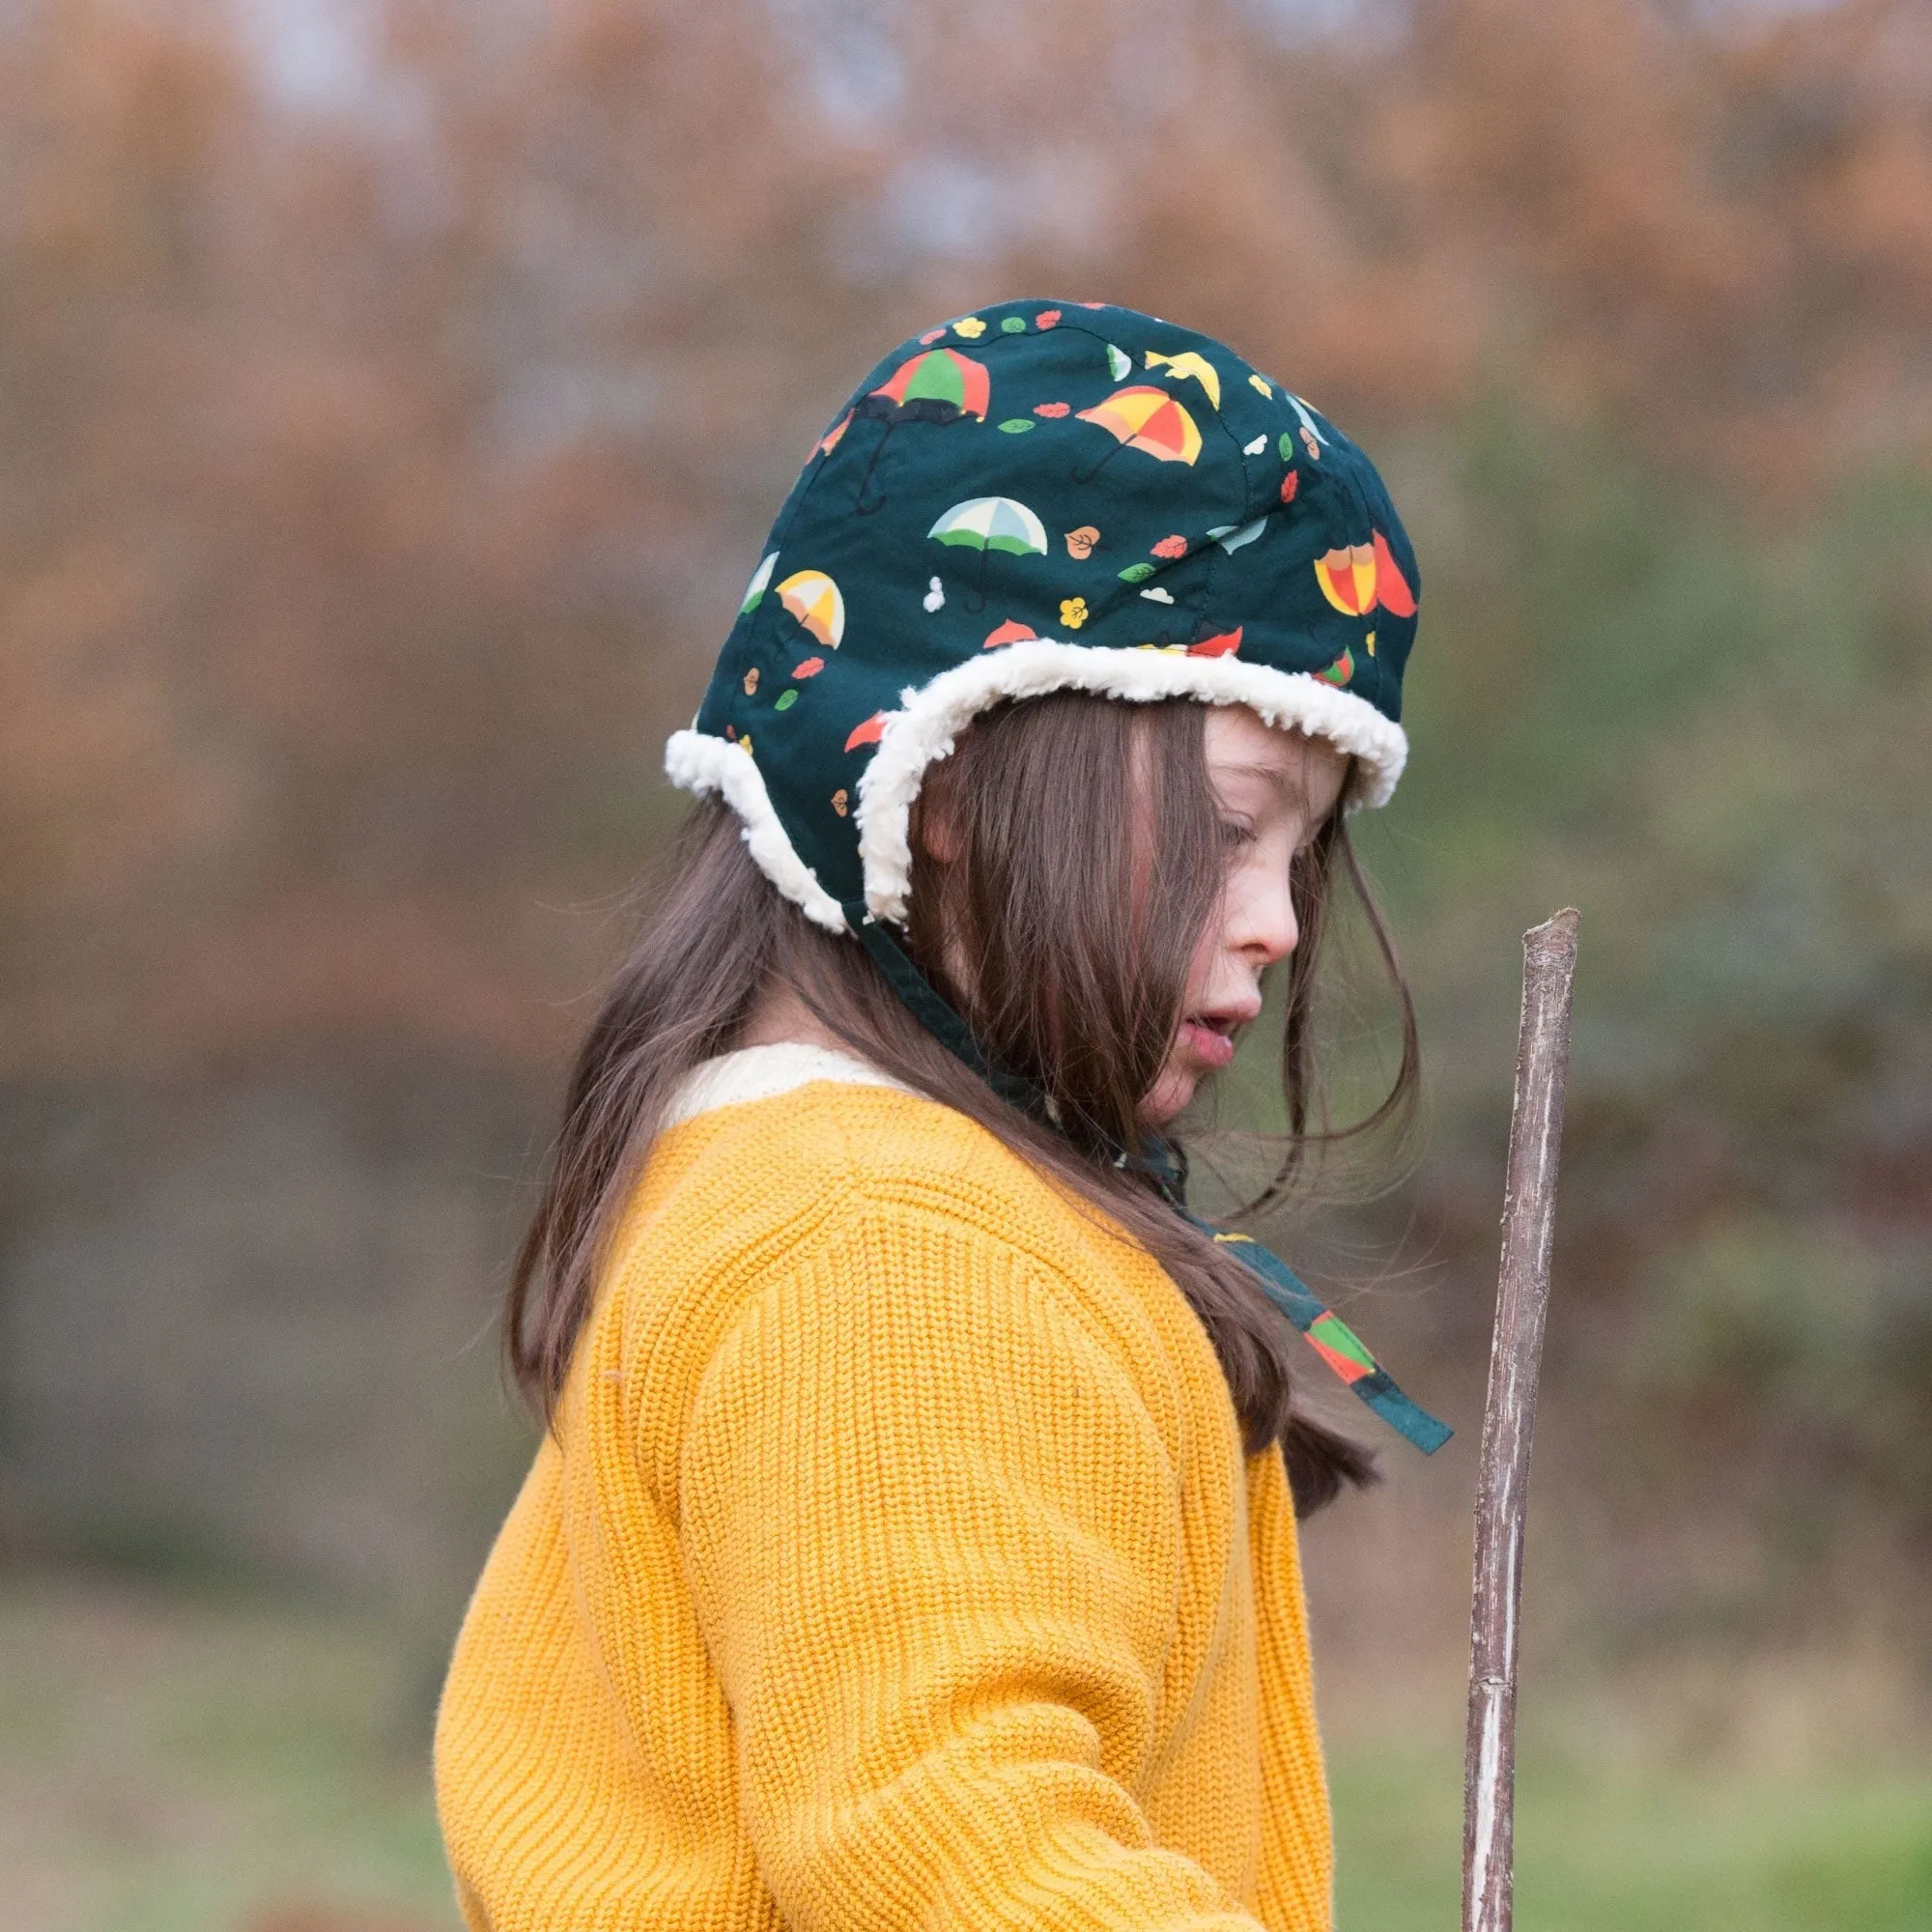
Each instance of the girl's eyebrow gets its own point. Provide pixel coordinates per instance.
(1273, 776)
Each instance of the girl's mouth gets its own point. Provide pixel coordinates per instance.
(1208, 1039)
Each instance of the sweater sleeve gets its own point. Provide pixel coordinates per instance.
(933, 1536)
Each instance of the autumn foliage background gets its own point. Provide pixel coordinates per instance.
(392, 396)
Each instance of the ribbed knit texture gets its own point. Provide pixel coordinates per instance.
(895, 1564)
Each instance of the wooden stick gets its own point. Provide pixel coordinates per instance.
(1502, 1486)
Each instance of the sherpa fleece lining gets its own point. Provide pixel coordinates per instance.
(929, 720)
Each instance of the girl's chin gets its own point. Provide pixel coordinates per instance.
(1197, 1052)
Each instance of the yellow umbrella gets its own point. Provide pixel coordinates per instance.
(1145, 419)
(814, 600)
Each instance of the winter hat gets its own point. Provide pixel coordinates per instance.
(1052, 496)
(1043, 497)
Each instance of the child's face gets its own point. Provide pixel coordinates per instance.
(1275, 789)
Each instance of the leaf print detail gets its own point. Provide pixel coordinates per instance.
(970, 327)
(752, 682)
(1012, 325)
(1073, 612)
(1289, 484)
(841, 802)
(1046, 317)
(1137, 573)
(787, 699)
(1287, 446)
(1310, 443)
(1260, 384)
(1051, 409)
(810, 667)
(1174, 546)
(1018, 425)
(1080, 543)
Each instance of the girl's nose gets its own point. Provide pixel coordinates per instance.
(1262, 924)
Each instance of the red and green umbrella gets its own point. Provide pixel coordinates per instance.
(941, 387)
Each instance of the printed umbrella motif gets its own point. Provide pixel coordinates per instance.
(814, 600)
(941, 387)
(987, 523)
(1363, 575)
(1145, 419)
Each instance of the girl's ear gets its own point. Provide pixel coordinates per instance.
(935, 827)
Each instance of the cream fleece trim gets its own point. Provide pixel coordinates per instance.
(763, 1072)
(696, 761)
(925, 727)
(927, 722)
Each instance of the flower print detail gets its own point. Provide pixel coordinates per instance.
(1073, 612)
(1289, 483)
(841, 802)
(1261, 383)
(810, 667)
(1080, 543)
(1308, 442)
(970, 327)
(752, 682)
(1174, 546)
(1051, 409)
(1046, 317)
(745, 744)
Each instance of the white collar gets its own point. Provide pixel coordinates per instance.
(762, 1073)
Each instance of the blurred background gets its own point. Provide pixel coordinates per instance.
(394, 394)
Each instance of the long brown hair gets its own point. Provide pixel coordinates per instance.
(1083, 860)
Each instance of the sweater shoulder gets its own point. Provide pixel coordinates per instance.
(745, 1197)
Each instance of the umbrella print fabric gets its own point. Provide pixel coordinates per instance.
(814, 600)
(987, 523)
(941, 387)
(943, 376)
(1145, 419)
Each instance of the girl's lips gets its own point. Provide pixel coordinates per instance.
(1212, 1049)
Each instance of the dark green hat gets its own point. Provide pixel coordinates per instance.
(1043, 497)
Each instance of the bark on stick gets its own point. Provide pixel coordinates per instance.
(1502, 1486)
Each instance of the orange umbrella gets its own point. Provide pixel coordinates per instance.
(1146, 418)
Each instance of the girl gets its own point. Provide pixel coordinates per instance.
(912, 1543)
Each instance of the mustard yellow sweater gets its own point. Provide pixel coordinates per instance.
(895, 1564)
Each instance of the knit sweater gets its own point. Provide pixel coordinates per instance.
(893, 1563)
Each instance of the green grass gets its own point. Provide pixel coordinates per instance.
(1723, 1849)
(181, 1762)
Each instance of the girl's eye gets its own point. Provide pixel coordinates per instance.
(1235, 834)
